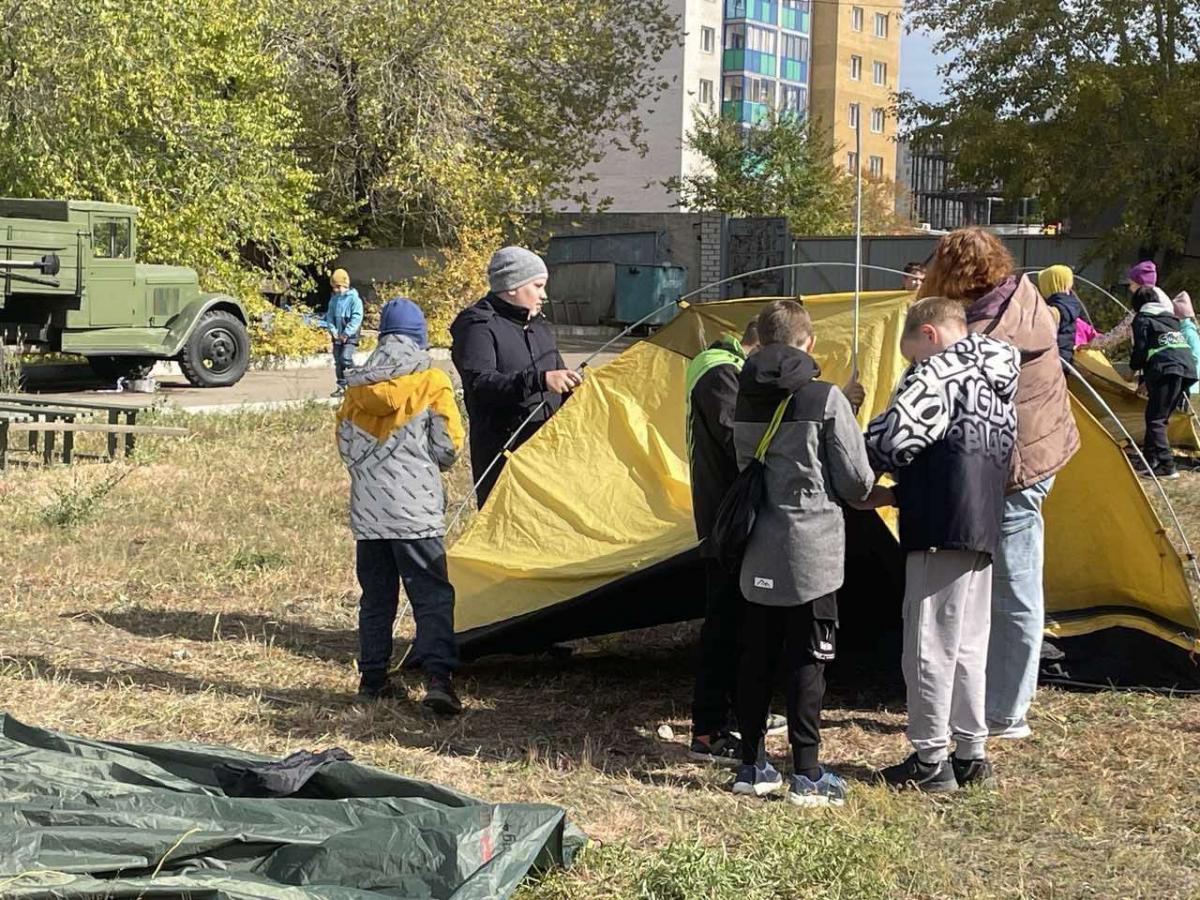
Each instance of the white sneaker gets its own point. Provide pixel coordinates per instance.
(1017, 732)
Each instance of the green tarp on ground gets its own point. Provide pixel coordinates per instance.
(96, 819)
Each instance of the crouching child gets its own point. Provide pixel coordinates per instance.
(398, 428)
(947, 437)
(794, 560)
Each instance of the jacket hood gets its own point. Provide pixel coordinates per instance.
(397, 354)
(1160, 307)
(999, 362)
(778, 367)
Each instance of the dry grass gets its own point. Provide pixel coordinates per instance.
(209, 596)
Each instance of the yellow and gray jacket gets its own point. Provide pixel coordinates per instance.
(398, 428)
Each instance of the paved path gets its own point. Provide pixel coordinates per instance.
(262, 389)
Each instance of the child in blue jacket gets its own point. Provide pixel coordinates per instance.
(343, 320)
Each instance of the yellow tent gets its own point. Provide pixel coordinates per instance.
(1122, 399)
(589, 529)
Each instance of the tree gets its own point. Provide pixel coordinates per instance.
(1094, 106)
(427, 120)
(175, 106)
(782, 166)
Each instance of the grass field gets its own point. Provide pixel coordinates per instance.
(207, 593)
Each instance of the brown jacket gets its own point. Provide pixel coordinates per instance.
(1047, 438)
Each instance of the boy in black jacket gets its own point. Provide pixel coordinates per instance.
(948, 436)
(1161, 354)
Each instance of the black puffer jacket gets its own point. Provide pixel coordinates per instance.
(502, 357)
(1159, 347)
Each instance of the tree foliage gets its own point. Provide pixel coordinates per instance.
(1092, 105)
(780, 167)
(170, 105)
(424, 119)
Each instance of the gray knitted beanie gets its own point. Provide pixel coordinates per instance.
(512, 267)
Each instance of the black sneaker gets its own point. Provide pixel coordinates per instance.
(382, 690)
(977, 772)
(932, 778)
(440, 696)
(722, 750)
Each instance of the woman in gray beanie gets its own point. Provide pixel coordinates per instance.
(506, 354)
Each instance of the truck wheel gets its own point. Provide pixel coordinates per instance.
(112, 368)
(217, 351)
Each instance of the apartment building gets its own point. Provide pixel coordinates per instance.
(832, 60)
(855, 71)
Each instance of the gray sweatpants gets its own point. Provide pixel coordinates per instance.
(947, 617)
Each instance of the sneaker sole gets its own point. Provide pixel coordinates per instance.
(812, 801)
(757, 790)
(1012, 734)
(714, 760)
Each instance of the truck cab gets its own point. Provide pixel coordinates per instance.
(70, 282)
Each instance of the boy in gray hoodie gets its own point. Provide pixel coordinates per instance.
(795, 557)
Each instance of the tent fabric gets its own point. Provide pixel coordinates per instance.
(104, 819)
(1123, 400)
(599, 501)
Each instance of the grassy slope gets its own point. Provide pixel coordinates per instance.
(209, 595)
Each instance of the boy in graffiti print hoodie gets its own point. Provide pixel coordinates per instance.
(948, 437)
(398, 429)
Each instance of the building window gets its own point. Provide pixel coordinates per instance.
(876, 163)
(793, 99)
(708, 39)
(856, 68)
(758, 10)
(852, 162)
(706, 93)
(856, 18)
(762, 90)
(853, 115)
(879, 71)
(750, 37)
(881, 25)
(877, 118)
(795, 47)
(794, 14)
(735, 88)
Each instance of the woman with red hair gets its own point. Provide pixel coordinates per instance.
(972, 265)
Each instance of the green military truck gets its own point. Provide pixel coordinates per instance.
(70, 283)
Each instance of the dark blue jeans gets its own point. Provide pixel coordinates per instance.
(343, 359)
(421, 565)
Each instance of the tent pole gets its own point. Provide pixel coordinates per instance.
(1158, 484)
(857, 242)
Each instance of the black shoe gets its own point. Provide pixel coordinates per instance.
(932, 778)
(1166, 472)
(721, 749)
(440, 696)
(381, 690)
(976, 772)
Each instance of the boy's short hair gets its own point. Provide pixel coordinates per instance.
(934, 311)
(914, 268)
(750, 335)
(784, 322)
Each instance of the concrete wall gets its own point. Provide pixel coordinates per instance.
(383, 265)
(634, 182)
(832, 90)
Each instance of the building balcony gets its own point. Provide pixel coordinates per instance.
(749, 61)
(794, 70)
(745, 111)
(766, 11)
(797, 20)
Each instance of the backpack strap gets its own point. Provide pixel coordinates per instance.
(769, 434)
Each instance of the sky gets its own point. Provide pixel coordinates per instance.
(918, 65)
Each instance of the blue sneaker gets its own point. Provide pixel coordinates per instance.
(828, 790)
(758, 781)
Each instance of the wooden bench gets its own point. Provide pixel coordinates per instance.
(114, 410)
